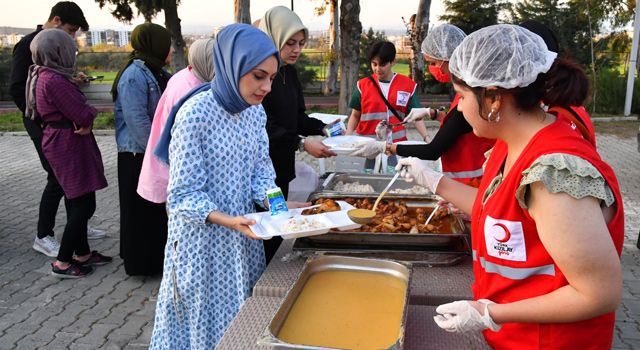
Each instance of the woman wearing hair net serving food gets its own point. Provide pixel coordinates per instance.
(461, 151)
(547, 219)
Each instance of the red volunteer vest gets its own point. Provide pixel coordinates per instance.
(374, 110)
(510, 263)
(463, 162)
(580, 118)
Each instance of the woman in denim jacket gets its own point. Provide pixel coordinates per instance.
(136, 92)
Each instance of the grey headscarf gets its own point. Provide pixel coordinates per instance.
(55, 50)
(201, 59)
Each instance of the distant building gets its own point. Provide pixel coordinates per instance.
(10, 39)
(117, 38)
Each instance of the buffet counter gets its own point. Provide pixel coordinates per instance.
(433, 285)
(429, 287)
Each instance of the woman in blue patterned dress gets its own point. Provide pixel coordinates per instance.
(220, 167)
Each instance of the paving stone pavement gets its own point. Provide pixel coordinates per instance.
(109, 310)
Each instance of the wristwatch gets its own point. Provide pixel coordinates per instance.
(301, 145)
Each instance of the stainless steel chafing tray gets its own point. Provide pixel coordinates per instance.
(418, 248)
(324, 263)
(377, 181)
(457, 225)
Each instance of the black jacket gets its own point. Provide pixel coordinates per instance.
(20, 63)
(451, 130)
(286, 120)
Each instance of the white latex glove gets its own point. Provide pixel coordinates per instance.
(419, 171)
(368, 149)
(461, 316)
(383, 130)
(419, 114)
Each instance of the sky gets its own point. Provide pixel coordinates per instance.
(204, 15)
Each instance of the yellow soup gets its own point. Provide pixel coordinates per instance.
(348, 310)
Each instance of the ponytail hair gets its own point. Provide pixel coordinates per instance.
(566, 85)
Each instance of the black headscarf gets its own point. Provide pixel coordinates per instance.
(151, 43)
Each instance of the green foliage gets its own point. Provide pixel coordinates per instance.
(5, 71)
(103, 61)
(611, 51)
(575, 23)
(123, 10)
(484, 13)
(611, 87)
(366, 40)
(306, 74)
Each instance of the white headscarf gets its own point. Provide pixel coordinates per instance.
(281, 24)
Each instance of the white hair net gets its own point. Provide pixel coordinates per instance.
(502, 55)
(441, 41)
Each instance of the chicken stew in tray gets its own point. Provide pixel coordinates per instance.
(395, 215)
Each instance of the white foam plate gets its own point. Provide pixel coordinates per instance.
(328, 118)
(336, 143)
(267, 226)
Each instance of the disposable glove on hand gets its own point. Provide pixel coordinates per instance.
(383, 130)
(419, 171)
(461, 316)
(419, 114)
(369, 149)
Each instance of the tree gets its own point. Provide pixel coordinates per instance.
(578, 25)
(417, 34)
(484, 13)
(350, 31)
(331, 82)
(241, 11)
(149, 9)
(575, 22)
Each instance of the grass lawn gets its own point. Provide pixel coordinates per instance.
(108, 77)
(400, 68)
(105, 121)
(13, 122)
(622, 129)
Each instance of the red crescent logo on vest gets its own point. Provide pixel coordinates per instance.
(507, 234)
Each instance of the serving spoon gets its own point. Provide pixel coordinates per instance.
(364, 216)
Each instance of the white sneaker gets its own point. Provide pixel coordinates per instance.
(48, 246)
(94, 233)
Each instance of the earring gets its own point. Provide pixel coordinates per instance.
(493, 116)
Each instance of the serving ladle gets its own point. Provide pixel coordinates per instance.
(364, 216)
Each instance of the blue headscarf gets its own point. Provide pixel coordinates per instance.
(238, 49)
